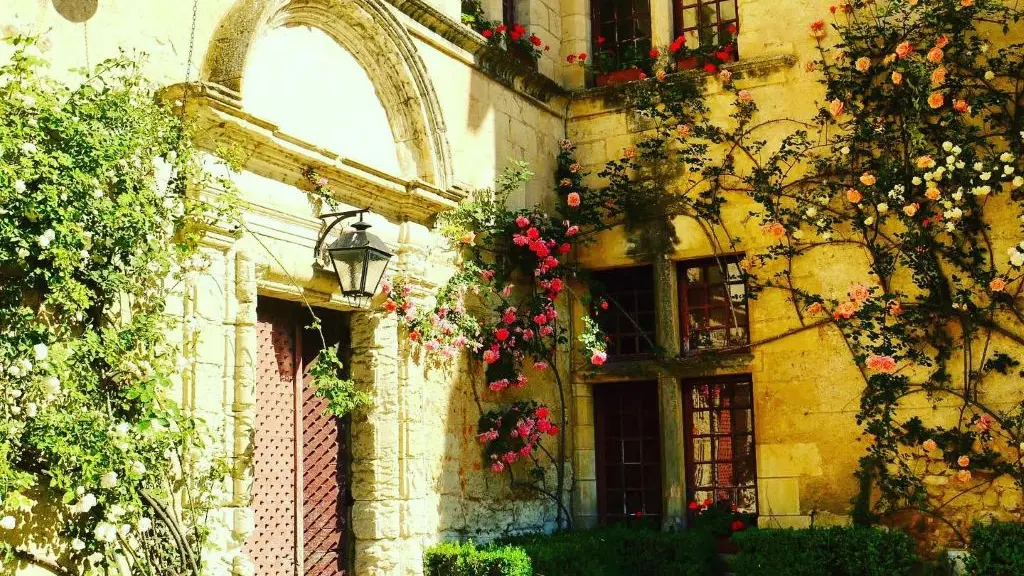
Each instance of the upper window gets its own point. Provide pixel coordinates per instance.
(707, 22)
(719, 427)
(620, 26)
(625, 300)
(713, 304)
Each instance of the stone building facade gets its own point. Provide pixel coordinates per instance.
(404, 111)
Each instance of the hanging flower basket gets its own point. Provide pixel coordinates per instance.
(620, 77)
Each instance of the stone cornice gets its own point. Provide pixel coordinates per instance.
(494, 62)
(269, 152)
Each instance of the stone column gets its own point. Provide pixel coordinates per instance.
(670, 394)
(376, 450)
(243, 407)
(575, 39)
(584, 457)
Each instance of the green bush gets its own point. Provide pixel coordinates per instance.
(997, 549)
(621, 551)
(465, 559)
(833, 551)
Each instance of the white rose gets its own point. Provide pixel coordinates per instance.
(108, 480)
(51, 385)
(77, 545)
(19, 186)
(882, 208)
(985, 176)
(916, 181)
(23, 253)
(105, 532)
(869, 220)
(115, 512)
(31, 410)
(95, 558)
(845, 150)
(138, 467)
(28, 148)
(1018, 182)
(1017, 259)
(144, 524)
(812, 212)
(1007, 169)
(978, 166)
(989, 75)
(1006, 157)
(124, 530)
(8, 523)
(41, 352)
(46, 238)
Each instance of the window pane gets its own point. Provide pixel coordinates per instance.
(706, 22)
(629, 320)
(714, 306)
(631, 467)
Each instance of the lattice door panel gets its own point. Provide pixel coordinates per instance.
(271, 546)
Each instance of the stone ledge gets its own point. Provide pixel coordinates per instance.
(682, 367)
(613, 97)
(492, 61)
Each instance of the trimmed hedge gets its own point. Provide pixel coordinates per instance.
(836, 551)
(465, 559)
(622, 551)
(997, 549)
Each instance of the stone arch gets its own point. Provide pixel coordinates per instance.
(381, 45)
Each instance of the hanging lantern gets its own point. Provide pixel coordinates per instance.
(359, 257)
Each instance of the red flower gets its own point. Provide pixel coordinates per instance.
(533, 233)
(737, 525)
(501, 334)
(553, 431)
(600, 40)
(490, 356)
(571, 58)
(535, 40)
(732, 29)
(501, 28)
(390, 306)
(710, 68)
(542, 412)
(583, 56)
(488, 33)
(414, 336)
(832, 9)
(723, 55)
(564, 248)
(693, 505)
(708, 502)
(677, 44)
(522, 221)
(573, 199)
(654, 53)
(556, 285)
(604, 304)
(543, 426)
(541, 319)
(515, 35)
(572, 231)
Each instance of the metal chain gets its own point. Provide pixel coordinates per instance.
(192, 40)
(85, 32)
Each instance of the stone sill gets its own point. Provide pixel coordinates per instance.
(492, 61)
(697, 366)
(613, 98)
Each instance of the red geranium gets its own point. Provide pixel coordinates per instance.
(654, 53)
(535, 40)
(710, 68)
(677, 44)
(488, 33)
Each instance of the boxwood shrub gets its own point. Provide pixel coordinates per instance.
(466, 559)
(997, 549)
(622, 551)
(835, 551)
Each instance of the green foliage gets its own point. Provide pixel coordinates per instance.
(466, 559)
(100, 219)
(997, 549)
(832, 551)
(621, 551)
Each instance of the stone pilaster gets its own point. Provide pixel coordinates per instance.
(243, 407)
(670, 394)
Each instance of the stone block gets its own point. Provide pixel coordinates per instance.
(782, 460)
(375, 479)
(778, 496)
(376, 520)
(376, 557)
(1010, 499)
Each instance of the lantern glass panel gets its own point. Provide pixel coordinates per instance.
(349, 266)
(376, 264)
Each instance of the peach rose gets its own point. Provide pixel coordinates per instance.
(895, 307)
(814, 308)
(961, 106)
(936, 100)
(963, 461)
(836, 107)
(932, 194)
(863, 64)
(744, 96)
(818, 29)
(868, 179)
(925, 162)
(904, 49)
(997, 284)
(896, 78)
(984, 424)
(854, 195)
(883, 364)
(889, 59)
(935, 55)
(468, 238)
(939, 76)
(845, 310)
(774, 229)
(942, 41)
(964, 475)
(930, 445)
(967, 3)
(911, 209)
(683, 130)
(573, 199)
(859, 292)
(724, 76)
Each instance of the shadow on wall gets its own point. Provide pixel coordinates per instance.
(76, 11)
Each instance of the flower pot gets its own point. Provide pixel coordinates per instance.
(620, 77)
(688, 63)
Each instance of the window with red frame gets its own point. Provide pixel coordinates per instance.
(626, 310)
(620, 26)
(718, 420)
(713, 304)
(628, 455)
(707, 23)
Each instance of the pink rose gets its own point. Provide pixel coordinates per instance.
(884, 364)
(573, 199)
(522, 221)
(744, 96)
(598, 357)
(997, 285)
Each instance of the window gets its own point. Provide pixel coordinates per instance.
(627, 319)
(508, 12)
(628, 434)
(706, 22)
(718, 422)
(713, 304)
(625, 26)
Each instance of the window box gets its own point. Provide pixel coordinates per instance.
(620, 77)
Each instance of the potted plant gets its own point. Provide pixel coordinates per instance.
(721, 519)
(622, 64)
(517, 41)
(712, 52)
